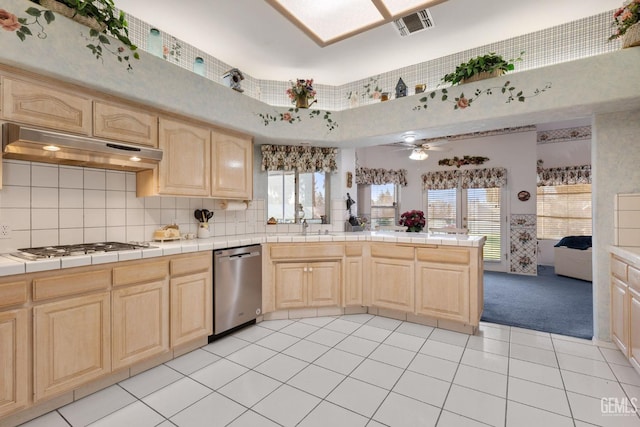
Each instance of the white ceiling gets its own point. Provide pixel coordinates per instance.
(254, 37)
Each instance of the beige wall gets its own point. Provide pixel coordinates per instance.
(615, 157)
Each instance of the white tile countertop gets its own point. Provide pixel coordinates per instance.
(10, 265)
(630, 254)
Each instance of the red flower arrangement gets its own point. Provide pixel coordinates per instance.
(413, 220)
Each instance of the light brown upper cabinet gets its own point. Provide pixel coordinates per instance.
(231, 165)
(41, 105)
(185, 166)
(123, 123)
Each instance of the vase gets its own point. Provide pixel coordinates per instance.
(302, 102)
(414, 229)
(631, 37)
(64, 10)
(198, 66)
(154, 42)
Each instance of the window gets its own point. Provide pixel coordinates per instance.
(442, 208)
(384, 205)
(483, 219)
(564, 210)
(293, 196)
(477, 209)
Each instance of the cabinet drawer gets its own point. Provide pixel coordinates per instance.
(13, 293)
(393, 251)
(191, 264)
(40, 105)
(353, 250)
(619, 268)
(448, 256)
(140, 273)
(124, 124)
(306, 251)
(70, 284)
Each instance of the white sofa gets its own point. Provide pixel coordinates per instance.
(574, 263)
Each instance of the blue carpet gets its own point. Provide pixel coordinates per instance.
(546, 302)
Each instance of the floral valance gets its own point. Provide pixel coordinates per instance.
(441, 180)
(381, 176)
(569, 175)
(484, 178)
(302, 159)
(468, 178)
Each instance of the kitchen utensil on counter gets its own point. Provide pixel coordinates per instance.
(203, 230)
(198, 214)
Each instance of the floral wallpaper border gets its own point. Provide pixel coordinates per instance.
(562, 135)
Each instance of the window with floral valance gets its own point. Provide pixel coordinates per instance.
(303, 159)
(569, 175)
(381, 176)
(468, 178)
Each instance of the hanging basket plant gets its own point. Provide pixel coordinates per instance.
(486, 66)
(102, 19)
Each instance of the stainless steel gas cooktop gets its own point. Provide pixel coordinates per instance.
(44, 252)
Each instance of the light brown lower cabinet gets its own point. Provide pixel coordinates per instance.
(191, 307)
(442, 290)
(392, 277)
(140, 319)
(307, 284)
(634, 329)
(620, 315)
(71, 343)
(353, 280)
(13, 360)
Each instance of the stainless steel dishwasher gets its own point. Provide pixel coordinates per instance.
(237, 287)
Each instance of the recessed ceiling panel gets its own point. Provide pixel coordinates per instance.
(329, 21)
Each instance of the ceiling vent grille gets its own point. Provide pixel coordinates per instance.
(414, 23)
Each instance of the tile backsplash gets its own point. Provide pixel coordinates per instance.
(627, 220)
(46, 204)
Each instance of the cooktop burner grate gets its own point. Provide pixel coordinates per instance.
(79, 249)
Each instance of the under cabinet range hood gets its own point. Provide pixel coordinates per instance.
(37, 145)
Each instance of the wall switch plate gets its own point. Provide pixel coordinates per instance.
(5, 231)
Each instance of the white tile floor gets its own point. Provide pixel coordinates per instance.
(363, 370)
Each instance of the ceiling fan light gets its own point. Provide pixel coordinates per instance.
(409, 138)
(418, 154)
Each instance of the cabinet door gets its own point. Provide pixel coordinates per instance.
(353, 281)
(620, 315)
(13, 360)
(191, 308)
(71, 343)
(140, 317)
(125, 124)
(290, 285)
(392, 283)
(231, 166)
(184, 169)
(323, 281)
(634, 328)
(40, 105)
(442, 290)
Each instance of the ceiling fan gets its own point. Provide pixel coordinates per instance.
(420, 148)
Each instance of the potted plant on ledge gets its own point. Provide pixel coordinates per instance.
(481, 67)
(103, 19)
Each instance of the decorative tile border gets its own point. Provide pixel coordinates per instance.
(523, 253)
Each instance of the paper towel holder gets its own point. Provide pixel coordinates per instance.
(234, 205)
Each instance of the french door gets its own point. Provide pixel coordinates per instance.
(479, 210)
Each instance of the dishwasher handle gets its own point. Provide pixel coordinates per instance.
(236, 257)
